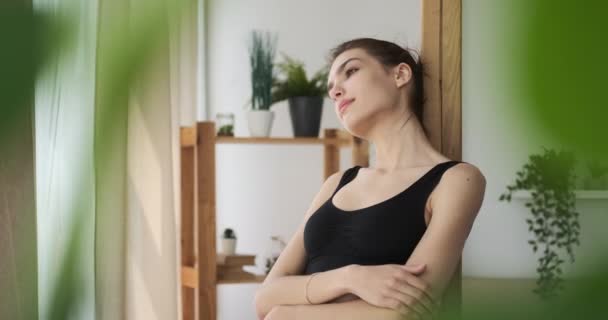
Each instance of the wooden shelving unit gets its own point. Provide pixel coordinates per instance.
(198, 224)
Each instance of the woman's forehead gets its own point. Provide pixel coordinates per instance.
(348, 54)
(343, 58)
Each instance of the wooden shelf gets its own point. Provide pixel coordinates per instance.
(188, 139)
(255, 279)
(199, 271)
(189, 278)
(281, 140)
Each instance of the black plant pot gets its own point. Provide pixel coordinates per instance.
(305, 113)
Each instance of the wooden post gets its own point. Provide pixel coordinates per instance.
(431, 57)
(451, 92)
(187, 226)
(206, 257)
(441, 51)
(331, 152)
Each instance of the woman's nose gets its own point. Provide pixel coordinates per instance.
(337, 93)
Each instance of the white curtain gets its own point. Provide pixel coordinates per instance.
(64, 104)
(129, 250)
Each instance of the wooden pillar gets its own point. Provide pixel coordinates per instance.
(206, 257)
(187, 225)
(431, 57)
(441, 52)
(451, 80)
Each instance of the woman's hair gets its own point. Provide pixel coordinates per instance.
(389, 55)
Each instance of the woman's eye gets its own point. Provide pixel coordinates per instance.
(350, 71)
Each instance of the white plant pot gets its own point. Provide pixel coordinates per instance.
(260, 122)
(228, 246)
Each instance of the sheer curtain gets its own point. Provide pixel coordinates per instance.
(64, 105)
(108, 113)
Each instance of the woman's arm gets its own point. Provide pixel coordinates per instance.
(352, 310)
(291, 290)
(455, 204)
(285, 284)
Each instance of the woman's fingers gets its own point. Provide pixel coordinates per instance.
(416, 269)
(420, 285)
(411, 303)
(419, 294)
(415, 295)
(402, 308)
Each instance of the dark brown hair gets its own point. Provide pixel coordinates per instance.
(389, 55)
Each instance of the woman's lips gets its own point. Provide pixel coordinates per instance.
(345, 105)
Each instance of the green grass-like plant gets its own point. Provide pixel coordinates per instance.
(262, 52)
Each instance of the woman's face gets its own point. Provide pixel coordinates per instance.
(362, 90)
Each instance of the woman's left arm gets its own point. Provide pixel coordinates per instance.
(454, 204)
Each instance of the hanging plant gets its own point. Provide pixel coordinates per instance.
(555, 222)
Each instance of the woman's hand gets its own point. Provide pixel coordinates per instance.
(396, 287)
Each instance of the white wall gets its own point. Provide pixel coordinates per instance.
(494, 139)
(265, 190)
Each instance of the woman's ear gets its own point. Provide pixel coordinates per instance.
(403, 74)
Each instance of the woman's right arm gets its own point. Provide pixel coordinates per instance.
(285, 285)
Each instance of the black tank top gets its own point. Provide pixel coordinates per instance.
(383, 233)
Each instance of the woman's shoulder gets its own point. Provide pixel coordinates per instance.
(462, 180)
(464, 170)
(334, 179)
(460, 189)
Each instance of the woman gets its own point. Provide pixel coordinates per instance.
(381, 242)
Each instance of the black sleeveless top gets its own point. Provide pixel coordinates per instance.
(383, 233)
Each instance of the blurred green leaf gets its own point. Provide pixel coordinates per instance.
(560, 64)
(29, 40)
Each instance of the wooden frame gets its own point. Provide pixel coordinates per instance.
(442, 51)
(199, 277)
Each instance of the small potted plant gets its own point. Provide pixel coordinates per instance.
(305, 97)
(228, 242)
(225, 121)
(261, 57)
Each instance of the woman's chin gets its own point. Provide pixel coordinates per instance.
(354, 128)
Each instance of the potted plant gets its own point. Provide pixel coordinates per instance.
(305, 97)
(554, 220)
(261, 57)
(228, 241)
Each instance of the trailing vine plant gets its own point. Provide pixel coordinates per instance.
(554, 220)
